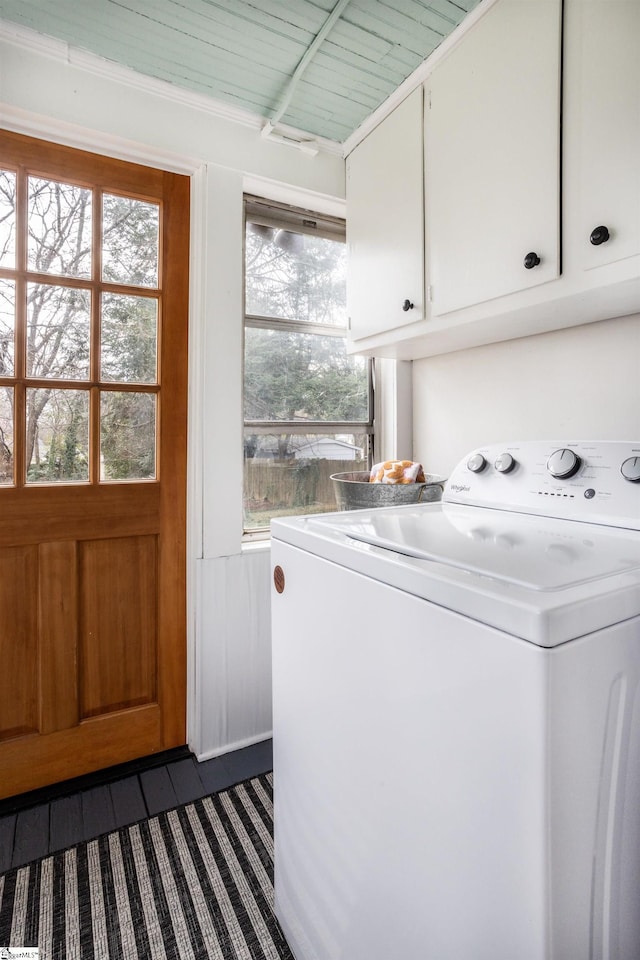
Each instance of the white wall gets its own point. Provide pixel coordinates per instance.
(49, 91)
(582, 383)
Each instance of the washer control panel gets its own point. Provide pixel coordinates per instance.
(596, 482)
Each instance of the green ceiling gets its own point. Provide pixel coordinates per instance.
(244, 52)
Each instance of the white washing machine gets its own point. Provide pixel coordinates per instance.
(457, 719)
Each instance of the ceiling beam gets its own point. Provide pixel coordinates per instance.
(309, 54)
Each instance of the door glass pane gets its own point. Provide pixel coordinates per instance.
(302, 376)
(130, 232)
(128, 338)
(295, 276)
(290, 474)
(127, 436)
(57, 435)
(59, 228)
(6, 435)
(58, 332)
(7, 326)
(7, 218)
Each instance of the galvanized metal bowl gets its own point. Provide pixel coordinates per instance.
(353, 491)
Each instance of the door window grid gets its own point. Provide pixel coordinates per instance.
(308, 405)
(79, 331)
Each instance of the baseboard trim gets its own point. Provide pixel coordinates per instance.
(236, 745)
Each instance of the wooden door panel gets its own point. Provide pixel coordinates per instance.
(118, 623)
(39, 514)
(58, 635)
(18, 641)
(92, 745)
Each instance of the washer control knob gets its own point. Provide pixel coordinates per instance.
(563, 464)
(630, 469)
(476, 463)
(505, 463)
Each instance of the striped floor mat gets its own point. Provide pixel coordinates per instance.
(193, 883)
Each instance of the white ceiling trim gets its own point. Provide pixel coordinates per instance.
(62, 52)
(419, 76)
(84, 138)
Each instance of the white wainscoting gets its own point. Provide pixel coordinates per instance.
(233, 675)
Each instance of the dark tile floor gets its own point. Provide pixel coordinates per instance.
(37, 824)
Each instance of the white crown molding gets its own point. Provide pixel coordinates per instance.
(419, 76)
(59, 50)
(95, 141)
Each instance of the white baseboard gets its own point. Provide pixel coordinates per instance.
(230, 747)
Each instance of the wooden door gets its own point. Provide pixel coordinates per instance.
(93, 409)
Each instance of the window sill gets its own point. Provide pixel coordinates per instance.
(256, 545)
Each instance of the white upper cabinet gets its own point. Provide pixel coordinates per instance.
(493, 157)
(602, 121)
(385, 224)
(532, 184)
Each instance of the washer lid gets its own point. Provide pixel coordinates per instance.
(537, 553)
(543, 580)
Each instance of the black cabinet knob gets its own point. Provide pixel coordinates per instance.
(531, 260)
(599, 235)
(407, 305)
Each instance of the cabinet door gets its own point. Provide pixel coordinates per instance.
(385, 223)
(493, 156)
(603, 118)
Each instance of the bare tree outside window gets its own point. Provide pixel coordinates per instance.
(307, 403)
(128, 424)
(58, 431)
(59, 228)
(6, 435)
(7, 218)
(7, 321)
(130, 236)
(7, 314)
(82, 334)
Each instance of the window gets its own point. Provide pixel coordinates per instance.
(80, 302)
(308, 405)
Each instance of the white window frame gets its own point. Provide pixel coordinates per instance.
(271, 213)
